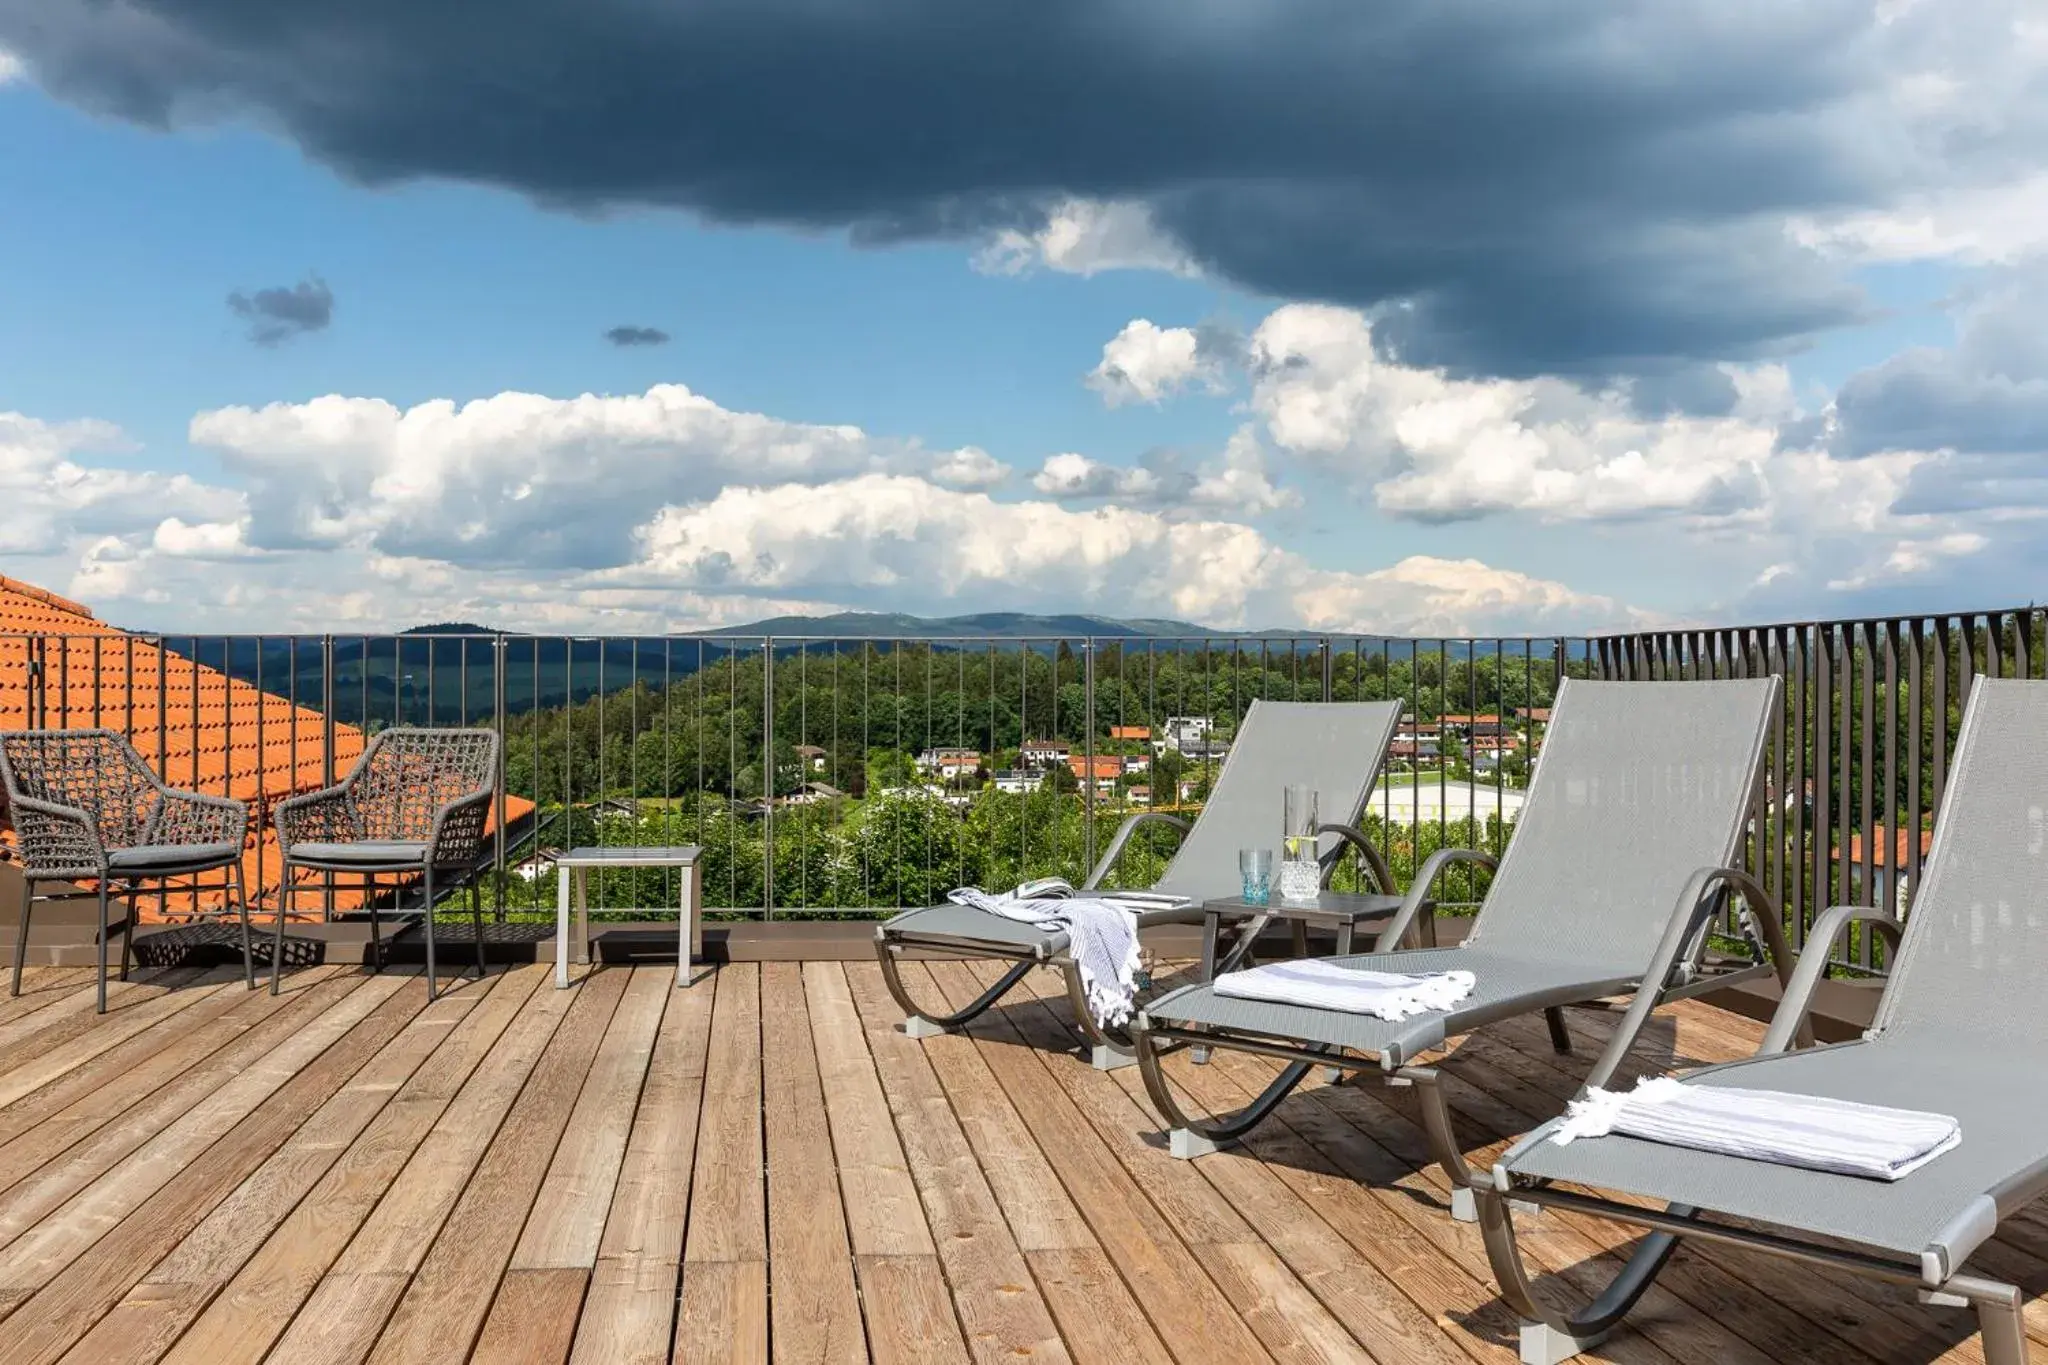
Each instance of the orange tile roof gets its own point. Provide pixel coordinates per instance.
(1889, 847)
(198, 727)
(1130, 732)
(1106, 765)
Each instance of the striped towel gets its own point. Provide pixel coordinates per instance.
(1816, 1134)
(1102, 936)
(1325, 985)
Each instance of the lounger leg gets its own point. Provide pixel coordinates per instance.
(919, 1022)
(1188, 1136)
(28, 900)
(2000, 1322)
(429, 921)
(1560, 1036)
(1443, 1138)
(1548, 1336)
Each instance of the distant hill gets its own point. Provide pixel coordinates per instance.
(1006, 625)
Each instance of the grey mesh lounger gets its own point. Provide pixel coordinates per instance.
(1335, 747)
(1619, 862)
(1962, 1029)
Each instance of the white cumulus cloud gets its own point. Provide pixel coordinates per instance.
(1084, 237)
(1147, 363)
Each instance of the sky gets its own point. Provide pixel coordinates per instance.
(1423, 317)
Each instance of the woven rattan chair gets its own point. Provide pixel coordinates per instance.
(416, 803)
(87, 808)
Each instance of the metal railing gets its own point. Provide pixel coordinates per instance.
(794, 761)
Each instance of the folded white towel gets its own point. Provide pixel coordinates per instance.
(1102, 937)
(1816, 1134)
(1326, 985)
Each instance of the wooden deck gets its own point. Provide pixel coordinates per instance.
(760, 1167)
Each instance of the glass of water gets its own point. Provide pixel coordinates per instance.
(1255, 865)
(1300, 874)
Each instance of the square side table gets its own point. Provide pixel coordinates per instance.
(574, 866)
(1342, 911)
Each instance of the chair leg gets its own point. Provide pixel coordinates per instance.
(128, 930)
(242, 905)
(102, 1006)
(376, 928)
(476, 919)
(28, 900)
(428, 916)
(284, 910)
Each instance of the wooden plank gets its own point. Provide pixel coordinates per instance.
(724, 1305)
(724, 1317)
(249, 1313)
(70, 1108)
(45, 1327)
(568, 1217)
(438, 1318)
(68, 1020)
(534, 1317)
(884, 1217)
(897, 1266)
(816, 1314)
(47, 1162)
(63, 1015)
(629, 1314)
(1192, 1316)
(153, 1314)
(1270, 1296)
(42, 987)
(340, 1319)
(35, 1061)
(1002, 1312)
(68, 1207)
(1099, 1322)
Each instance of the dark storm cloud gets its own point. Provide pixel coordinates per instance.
(275, 316)
(1589, 185)
(636, 336)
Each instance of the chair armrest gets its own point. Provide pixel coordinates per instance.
(196, 818)
(458, 830)
(1681, 935)
(57, 839)
(1123, 836)
(1376, 863)
(1419, 889)
(322, 817)
(1790, 1017)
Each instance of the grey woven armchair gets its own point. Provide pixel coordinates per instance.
(86, 807)
(417, 802)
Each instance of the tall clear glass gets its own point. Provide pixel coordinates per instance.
(1300, 876)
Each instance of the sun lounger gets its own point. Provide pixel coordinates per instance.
(1962, 1030)
(1336, 747)
(1617, 868)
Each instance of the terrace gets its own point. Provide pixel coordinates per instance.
(760, 1165)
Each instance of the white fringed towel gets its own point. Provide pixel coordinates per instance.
(1102, 937)
(1321, 984)
(1817, 1134)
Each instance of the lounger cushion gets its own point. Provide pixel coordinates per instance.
(966, 927)
(146, 858)
(363, 853)
(1999, 1110)
(1503, 985)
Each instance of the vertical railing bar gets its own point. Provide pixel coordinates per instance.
(1867, 759)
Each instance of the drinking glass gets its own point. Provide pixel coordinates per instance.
(1301, 876)
(1255, 865)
